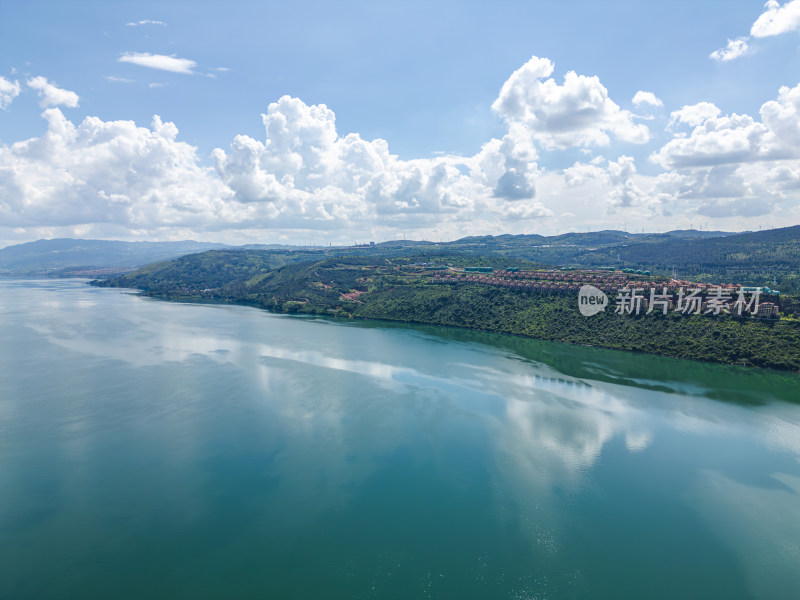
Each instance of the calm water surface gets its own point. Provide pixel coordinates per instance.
(159, 450)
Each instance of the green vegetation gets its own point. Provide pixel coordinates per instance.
(761, 258)
(555, 317)
(765, 258)
(407, 289)
(213, 270)
(768, 258)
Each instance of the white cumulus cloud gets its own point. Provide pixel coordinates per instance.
(159, 61)
(718, 140)
(106, 172)
(581, 173)
(725, 191)
(693, 114)
(650, 98)
(51, 94)
(626, 192)
(8, 91)
(304, 171)
(735, 165)
(777, 19)
(733, 50)
(302, 178)
(578, 113)
(735, 138)
(616, 181)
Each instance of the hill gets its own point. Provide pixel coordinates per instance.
(770, 258)
(758, 258)
(405, 289)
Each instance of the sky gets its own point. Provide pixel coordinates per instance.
(347, 122)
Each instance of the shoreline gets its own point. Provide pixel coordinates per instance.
(323, 313)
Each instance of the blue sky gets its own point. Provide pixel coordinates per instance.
(382, 119)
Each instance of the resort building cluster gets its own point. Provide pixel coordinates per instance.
(635, 291)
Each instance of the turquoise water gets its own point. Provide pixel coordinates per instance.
(160, 450)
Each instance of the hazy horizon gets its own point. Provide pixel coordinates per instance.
(400, 239)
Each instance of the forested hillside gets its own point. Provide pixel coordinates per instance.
(759, 258)
(769, 258)
(404, 289)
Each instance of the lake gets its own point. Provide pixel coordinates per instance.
(162, 450)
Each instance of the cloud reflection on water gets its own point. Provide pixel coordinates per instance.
(549, 414)
(334, 428)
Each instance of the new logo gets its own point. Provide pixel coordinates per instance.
(591, 300)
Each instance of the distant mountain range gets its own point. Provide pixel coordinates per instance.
(65, 254)
(770, 257)
(59, 255)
